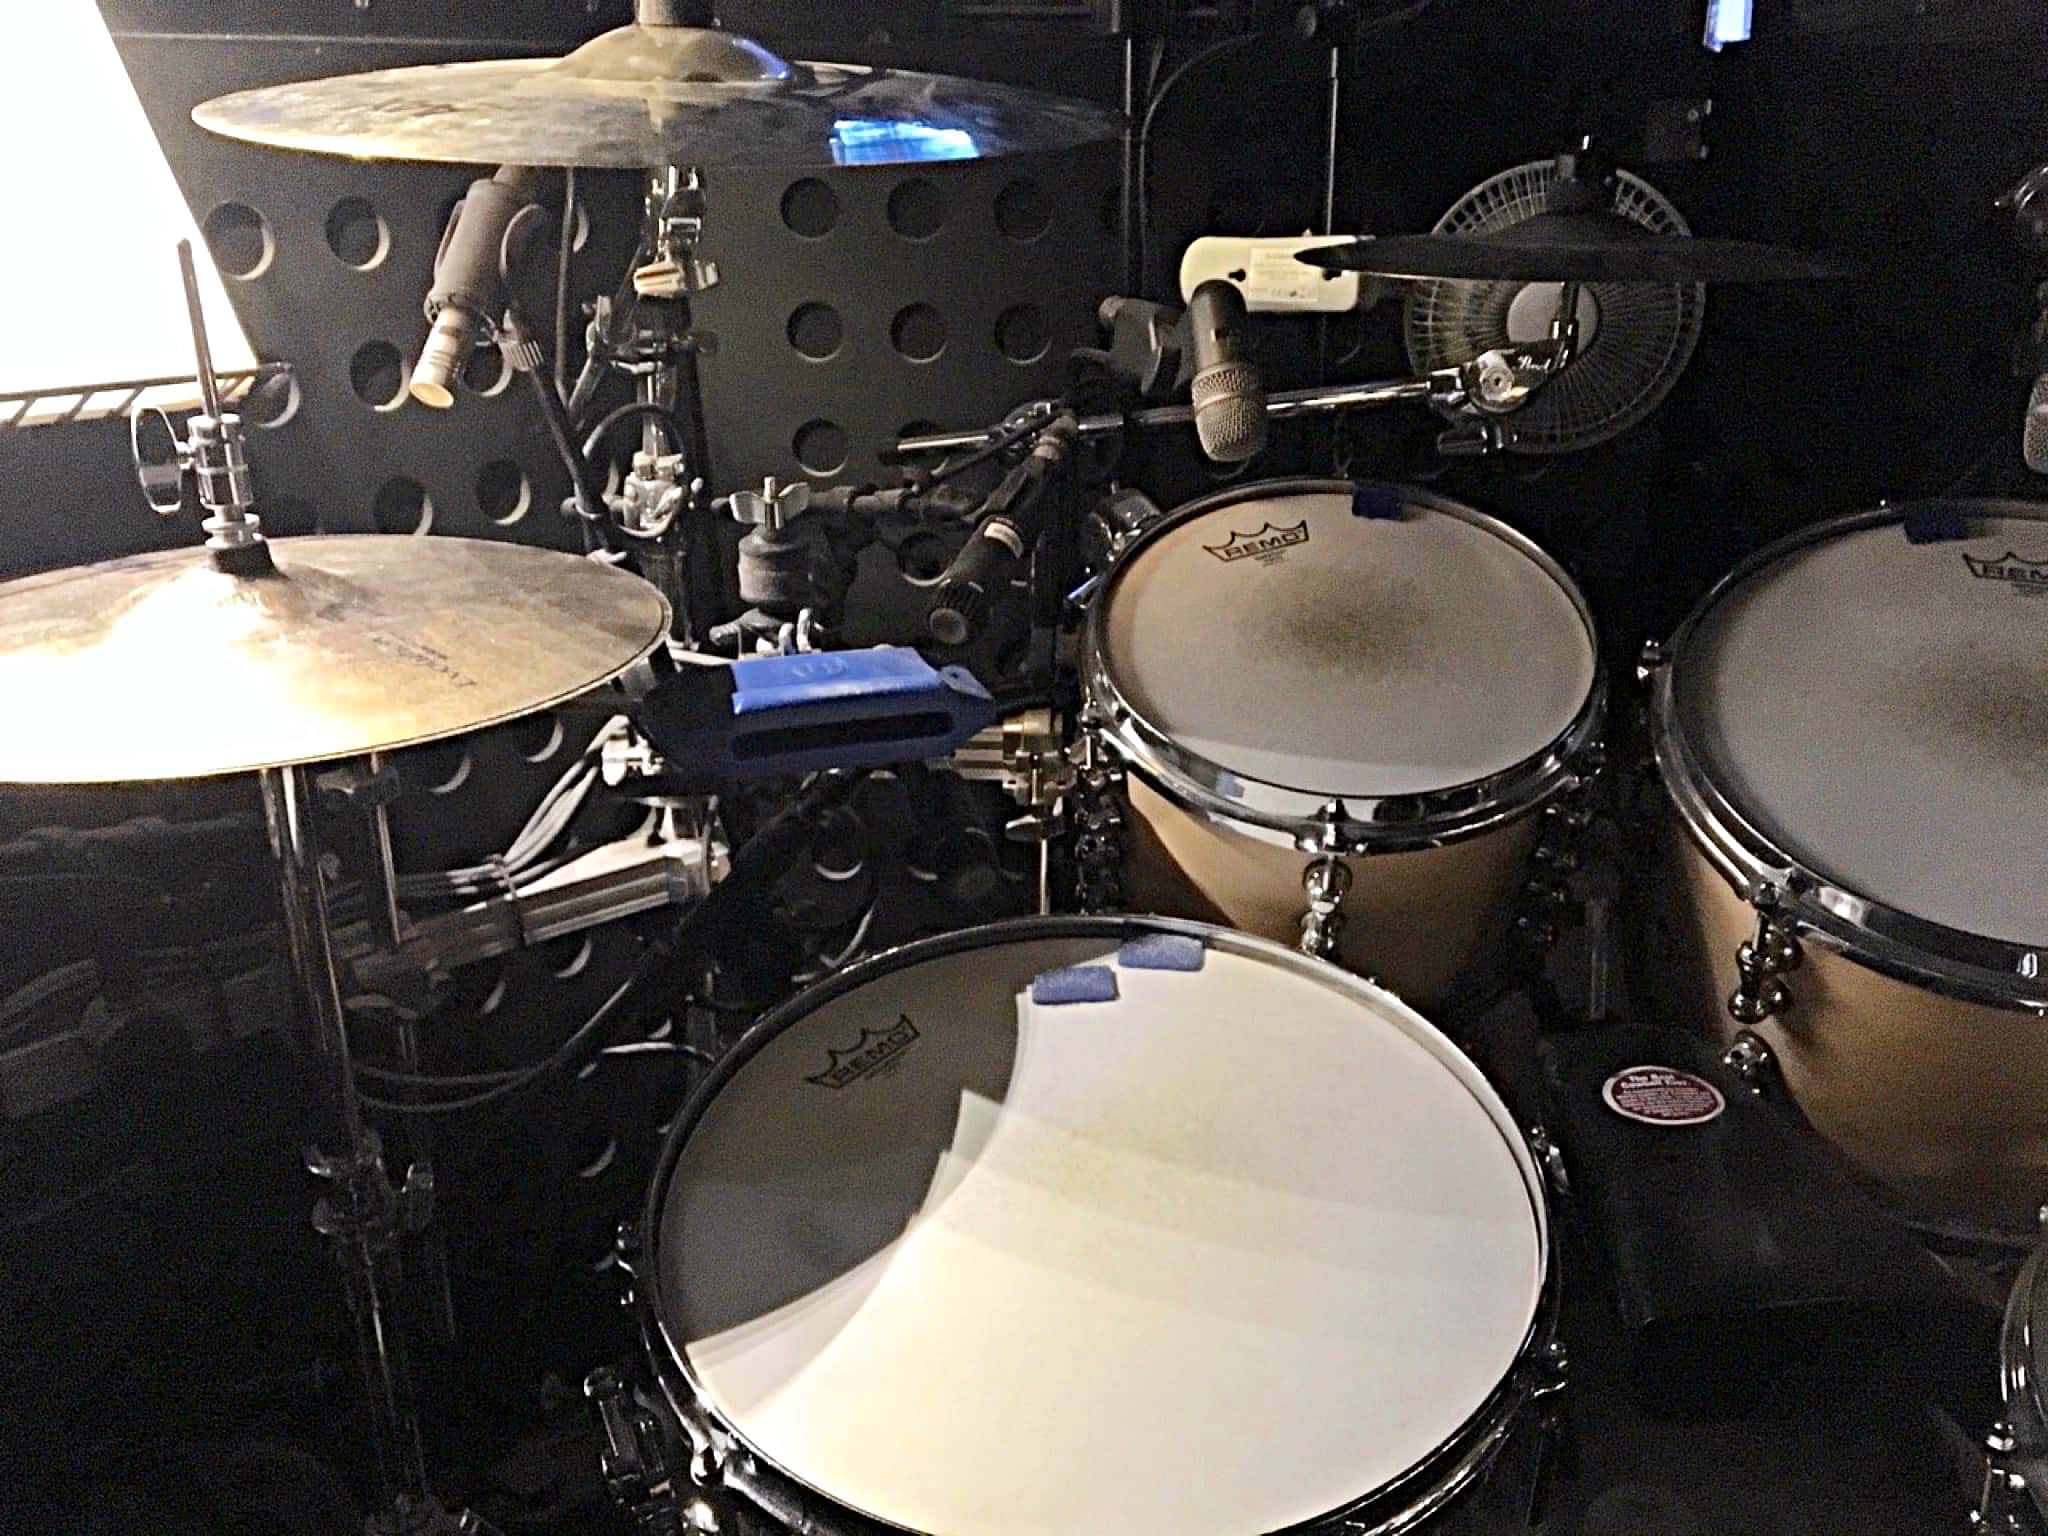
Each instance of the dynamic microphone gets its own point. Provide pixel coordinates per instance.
(1001, 542)
(1228, 396)
(478, 249)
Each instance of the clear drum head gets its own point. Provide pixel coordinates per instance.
(1231, 1252)
(1876, 709)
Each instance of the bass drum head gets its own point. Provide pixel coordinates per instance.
(1878, 710)
(1229, 1253)
(1286, 639)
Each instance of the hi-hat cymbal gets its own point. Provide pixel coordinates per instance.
(162, 666)
(649, 96)
(1592, 247)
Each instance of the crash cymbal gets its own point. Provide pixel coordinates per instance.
(647, 96)
(1593, 247)
(163, 666)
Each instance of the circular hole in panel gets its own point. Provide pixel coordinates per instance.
(918, 332)
(271, 402)
(917, 210)
(582, 223)
(240, 240)
(923, 558)
(536, 738)
(820, 447)
(494, 999)
(288, 517)
(567, 958)
(402, 505)
(810, 208)
(357, 234)
(487, 373)
(1023, 211)
(816, 331)
(1022, 334)
(439, 770)
(377, 374)
(503, 493)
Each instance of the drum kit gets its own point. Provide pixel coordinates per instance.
(1095, 1222)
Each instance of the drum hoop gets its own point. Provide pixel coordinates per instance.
(1950, 961)
(1276, 813)
(2020, 1385)
(1397, 1506)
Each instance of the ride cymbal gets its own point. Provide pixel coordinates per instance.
(646, 96)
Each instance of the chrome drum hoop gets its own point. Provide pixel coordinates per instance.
(1989, 972)
(2016, 1472)
(1295, 818)
(1394, 1509)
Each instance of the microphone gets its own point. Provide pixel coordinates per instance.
(477, 251)
(1228, 396)
(1001, 542)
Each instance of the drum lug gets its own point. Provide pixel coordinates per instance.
(1656, 655)
(1095, 810)
(626, 1260)
(1999, 1507)
(1550, 1158)
(1327, 881)
(1751, 1058)
(1771, 953)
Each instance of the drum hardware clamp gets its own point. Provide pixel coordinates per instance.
(1025, 753)
(1096, 813)
(634, 1462)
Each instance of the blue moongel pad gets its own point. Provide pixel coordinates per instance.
(1162, 952)
(1074, 984)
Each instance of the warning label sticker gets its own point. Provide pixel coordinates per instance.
(1663, 1096)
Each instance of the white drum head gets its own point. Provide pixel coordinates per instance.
(1286, 640)
(1221, 1256)
(1879, 710)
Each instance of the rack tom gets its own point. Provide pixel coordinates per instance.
(1342, 707)
(1853, 728)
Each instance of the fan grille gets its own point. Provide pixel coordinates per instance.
(1643, 338)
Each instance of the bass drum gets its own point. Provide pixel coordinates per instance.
(1854, 731)
(1313, 672)
(1103, 1227)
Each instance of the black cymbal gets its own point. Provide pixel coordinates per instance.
(1596, 247)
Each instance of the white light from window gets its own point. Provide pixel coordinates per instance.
(89, 284)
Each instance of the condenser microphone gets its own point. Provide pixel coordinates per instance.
(1228, 396)
(469, 278)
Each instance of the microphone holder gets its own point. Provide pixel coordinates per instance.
(1476, 397)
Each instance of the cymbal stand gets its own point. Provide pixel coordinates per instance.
(363, 1215)
(645, 331)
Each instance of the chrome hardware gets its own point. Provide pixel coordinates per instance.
(1751, 1058)
(774, 507)
(1761, 960)
(634, 1460)
(1655, 657)
(2000, 1505)
(1550, 1158)
(1327, 881)
(1096, 811)
(1026, 754)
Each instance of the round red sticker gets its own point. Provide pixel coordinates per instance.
(1663, 1096)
